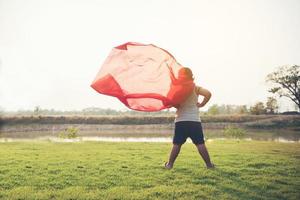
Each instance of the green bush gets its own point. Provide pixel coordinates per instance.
(70, 132)
(234, 132)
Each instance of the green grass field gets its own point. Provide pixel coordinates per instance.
(103, 170)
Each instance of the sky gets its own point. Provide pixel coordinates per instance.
(50, 51)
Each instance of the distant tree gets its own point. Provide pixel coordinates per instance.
(287, 82)
(1, 110)
(242, 109)
(258, 109)
(37, 110)
(271, 105)
(227, 109)
(218, 109)
(213, 110)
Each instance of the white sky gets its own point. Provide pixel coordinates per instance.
(50, 51)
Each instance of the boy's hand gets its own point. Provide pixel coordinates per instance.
(205, 93)
(200, 105)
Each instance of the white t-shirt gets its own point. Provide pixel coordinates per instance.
(188, 110)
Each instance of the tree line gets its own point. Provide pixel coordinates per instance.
(284, 82)
(269, 107)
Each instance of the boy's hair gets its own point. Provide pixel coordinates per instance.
(188, 73)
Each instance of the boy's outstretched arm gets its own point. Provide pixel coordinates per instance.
(205, 93)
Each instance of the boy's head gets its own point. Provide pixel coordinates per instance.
(186, 73)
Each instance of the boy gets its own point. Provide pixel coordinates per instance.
(188, 124)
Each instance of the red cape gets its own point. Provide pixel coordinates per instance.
(144, 77)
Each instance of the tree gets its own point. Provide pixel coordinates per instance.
(242, 109)
(227, 109)
(271, 105)
(37, 110)
(213, 110)
(287, 82)
(2, 111)
(258, 109)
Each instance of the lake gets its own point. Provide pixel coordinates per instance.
(133, 133)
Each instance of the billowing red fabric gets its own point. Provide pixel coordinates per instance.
(144, 77)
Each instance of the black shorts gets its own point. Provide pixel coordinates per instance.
(185, 129)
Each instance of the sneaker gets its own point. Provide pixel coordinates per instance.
(167, 166)
(212, 166)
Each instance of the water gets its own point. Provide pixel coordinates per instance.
(145, 135)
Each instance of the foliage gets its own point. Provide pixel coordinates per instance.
(213, 110)
(258, 109)
(286, 81)
(234, 132)
(70, 132)
(243, 109)
(87, 112)
(227, 109)
(271, 105)
(37, 110)
(92, 111)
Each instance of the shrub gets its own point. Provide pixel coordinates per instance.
(234, 132)
(70, 132)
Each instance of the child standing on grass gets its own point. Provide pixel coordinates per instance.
(188, 124)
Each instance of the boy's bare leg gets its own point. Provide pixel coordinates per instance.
(173, 155)
(204, 154)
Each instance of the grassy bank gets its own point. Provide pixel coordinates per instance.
(98, 170)
(214, 121)
(106, 119)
